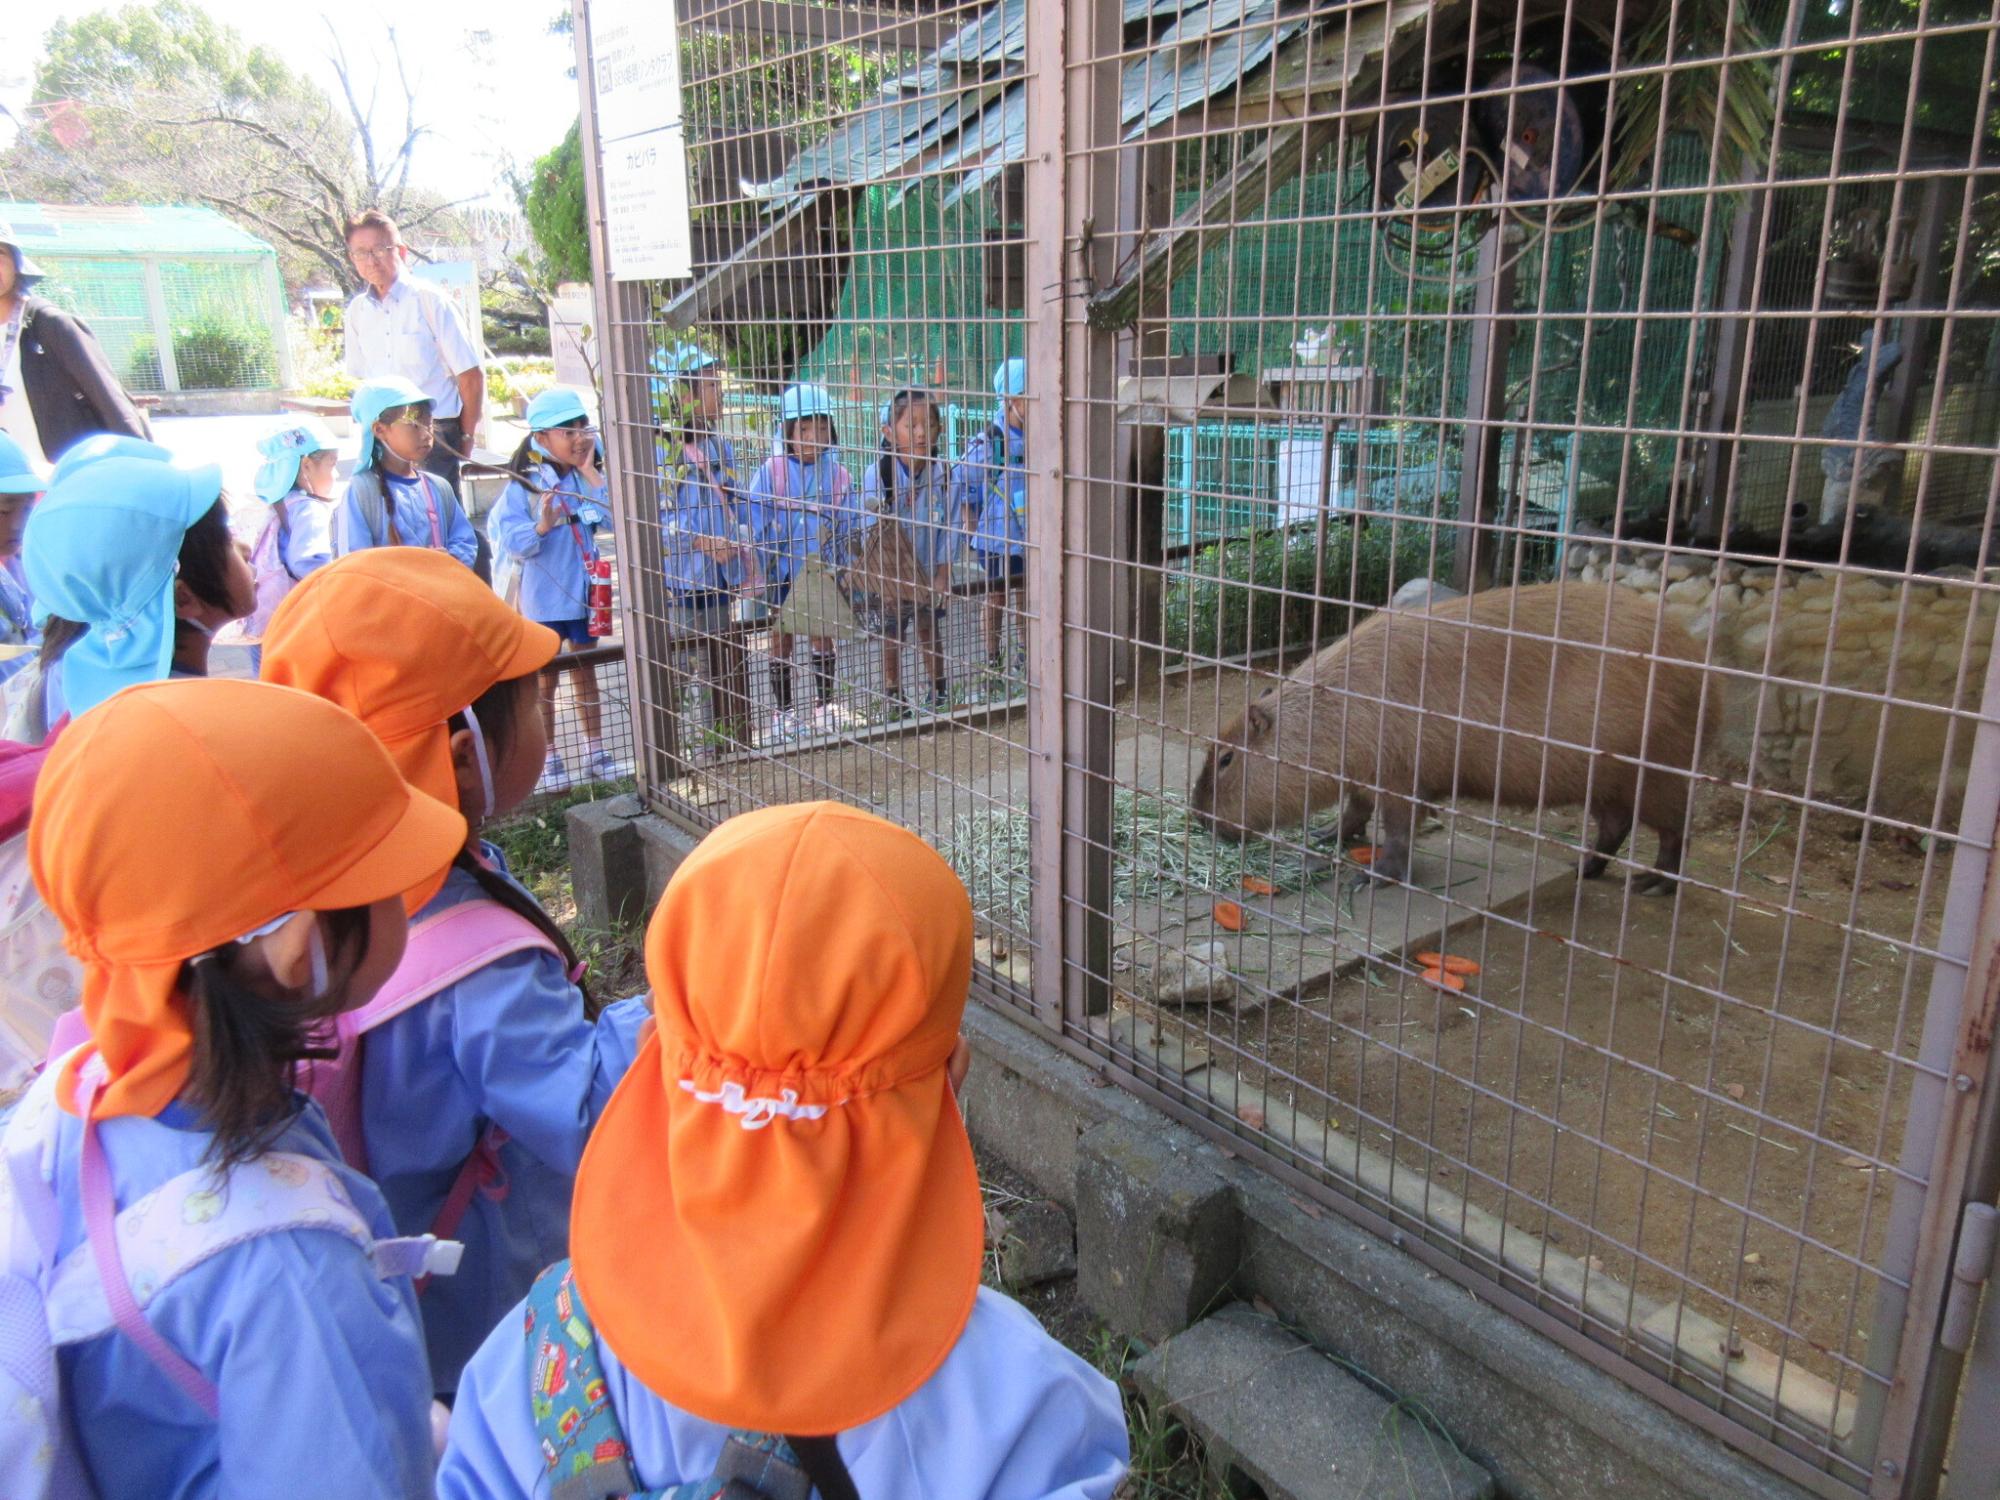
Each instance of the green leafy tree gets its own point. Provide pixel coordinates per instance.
(552, 197)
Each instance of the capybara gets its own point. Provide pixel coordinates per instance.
(1480, 697)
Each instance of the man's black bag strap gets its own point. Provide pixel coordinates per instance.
(820, 1457)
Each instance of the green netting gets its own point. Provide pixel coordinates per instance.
(1608, 327)
(218, 319)
(109, 295)
(914, 308)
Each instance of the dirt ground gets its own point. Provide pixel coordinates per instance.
(1701, 1095)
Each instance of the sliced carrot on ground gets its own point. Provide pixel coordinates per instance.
(1256, 885)
(1228, 916)
(1362, 854)
(1451, 963)
(1442, 980)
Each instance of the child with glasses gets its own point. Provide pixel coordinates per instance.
(392, 501)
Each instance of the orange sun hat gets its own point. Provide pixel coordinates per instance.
(403, 638)
(777, 1223)
(180, 815)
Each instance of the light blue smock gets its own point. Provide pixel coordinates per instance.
(809, 518)
(553, 584)
(992, 488)
(17, 615)
(308, 532)
(411, 499)
(507, 1045)
(927, 507)
(320, 1366)
(1009, 1415)
(698, 504)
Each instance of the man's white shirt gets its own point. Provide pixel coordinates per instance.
(394, 336)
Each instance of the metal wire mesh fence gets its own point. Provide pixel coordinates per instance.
(178, 325)
(1613, 933)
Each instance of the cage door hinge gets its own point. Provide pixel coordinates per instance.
(1978, 1231)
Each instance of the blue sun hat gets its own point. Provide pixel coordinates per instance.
(287, 448)
(102, 548)
(373, 397)
(1010, 378)
(557, 405)
(25, 269)
(18, 476)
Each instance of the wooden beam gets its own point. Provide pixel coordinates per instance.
(777, 245)
(1486, 397)
(1139, 292)
(1724, 404)
(817, 25)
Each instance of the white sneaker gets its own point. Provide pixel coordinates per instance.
(603, 768)
(555, 775)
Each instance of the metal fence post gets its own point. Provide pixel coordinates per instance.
(623, 371)
(1070, 110)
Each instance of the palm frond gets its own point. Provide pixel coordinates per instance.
(1729, 100)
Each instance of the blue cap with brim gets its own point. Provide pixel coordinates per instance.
(24, 268)
(102, 548)
(18, 476)
(557, 405)
(284, 450)
(373, 397)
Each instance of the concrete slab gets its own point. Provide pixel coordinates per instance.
(1269, 1405)
(1294, 943)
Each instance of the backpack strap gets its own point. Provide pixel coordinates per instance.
(443, 949)
(583, 1443)
(130, 1257)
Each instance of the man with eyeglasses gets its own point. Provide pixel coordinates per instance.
(401, 326)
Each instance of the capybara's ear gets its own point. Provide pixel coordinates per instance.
(1260, 720)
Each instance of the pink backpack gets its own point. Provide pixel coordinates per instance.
(274, 579)
(442, 950)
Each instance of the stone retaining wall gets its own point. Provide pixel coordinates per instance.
(1903, 639)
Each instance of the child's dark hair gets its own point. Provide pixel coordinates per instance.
(786, 429)
(902, 401)
(204, 568)
(501, 709)
(248, 1044)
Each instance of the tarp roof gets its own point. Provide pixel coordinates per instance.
(59, 231)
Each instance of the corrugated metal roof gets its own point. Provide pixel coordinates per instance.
(59, 231)
(964, 107)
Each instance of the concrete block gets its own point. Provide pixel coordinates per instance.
(1542, 1421)
(607, 861)
(1027, 1104)
(1036, 1242)
(1157, 1228)
(663, 846)
(1268, 1405)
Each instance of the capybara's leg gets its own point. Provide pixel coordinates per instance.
(1666, 871)
(1354, 816)
(1614, 826)
(1666, 810)
(1399, 829)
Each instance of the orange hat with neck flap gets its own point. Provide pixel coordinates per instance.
(403, 638)
(179, 816)
(777, 1223)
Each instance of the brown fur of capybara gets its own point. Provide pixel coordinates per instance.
(1491, 696)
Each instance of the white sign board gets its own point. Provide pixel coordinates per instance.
(646, 206)
(458, 280)
(573, 337)
(635, 52)
(1302, 463)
